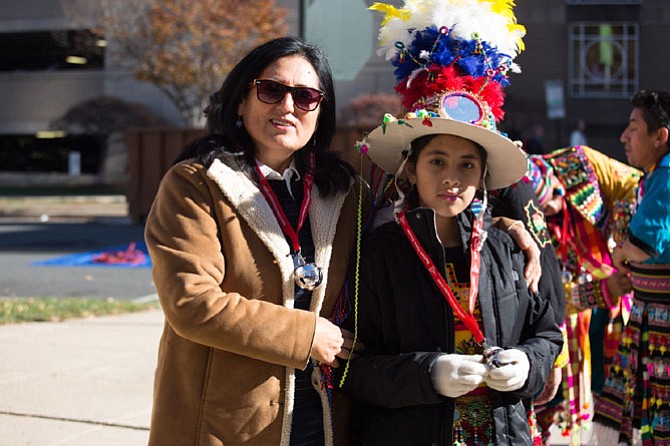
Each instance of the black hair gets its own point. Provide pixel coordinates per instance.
(418, 144)
(332, 174)
(655, 106)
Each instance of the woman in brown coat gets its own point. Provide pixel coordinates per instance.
(249, 260)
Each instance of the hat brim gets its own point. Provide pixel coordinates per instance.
(505, 160)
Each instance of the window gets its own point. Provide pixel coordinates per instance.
(603, 60)
(51, 50)
(28, 153)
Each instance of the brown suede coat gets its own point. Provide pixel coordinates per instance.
(232, 340)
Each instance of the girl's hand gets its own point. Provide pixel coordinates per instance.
(513, 374)
(455, 375)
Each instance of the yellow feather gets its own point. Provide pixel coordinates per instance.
(505, 9)
(390, 12)
(517, 27)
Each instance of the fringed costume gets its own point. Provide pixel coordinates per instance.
(637, 390)
(599, 195)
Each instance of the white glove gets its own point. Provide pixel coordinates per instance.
(456, 375)
(512, 375)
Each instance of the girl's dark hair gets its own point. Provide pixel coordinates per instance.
(655, 107)
(332, 174)
(416, 146)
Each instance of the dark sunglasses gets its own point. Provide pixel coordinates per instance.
(271, 92)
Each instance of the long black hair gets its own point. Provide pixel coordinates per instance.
(332, 174)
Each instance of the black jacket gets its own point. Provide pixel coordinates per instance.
(405, 322)
(519, 202)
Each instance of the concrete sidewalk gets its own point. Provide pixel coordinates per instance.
(79, 382)
(83, 382)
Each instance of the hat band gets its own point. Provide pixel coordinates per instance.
(458, 105)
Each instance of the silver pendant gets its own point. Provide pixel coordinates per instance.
(491, 357)
(306, 275)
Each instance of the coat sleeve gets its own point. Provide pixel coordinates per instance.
(383, 380)
(541, 338)
(182, 234)
(520, 203)
(521, 320)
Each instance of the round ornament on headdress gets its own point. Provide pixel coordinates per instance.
(452, 59)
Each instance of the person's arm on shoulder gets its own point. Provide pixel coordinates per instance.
(520, 202)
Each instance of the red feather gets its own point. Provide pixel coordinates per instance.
(448, 79)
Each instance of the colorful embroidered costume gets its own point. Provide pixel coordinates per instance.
(599, 194)
(637, 389)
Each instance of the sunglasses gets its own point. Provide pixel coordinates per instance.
(271, 92)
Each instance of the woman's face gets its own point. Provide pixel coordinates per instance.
(279, 130)
(447, 174)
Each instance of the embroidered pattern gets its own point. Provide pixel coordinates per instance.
(537, 224)
(581, 185)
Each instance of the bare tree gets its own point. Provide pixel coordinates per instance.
(185, 48)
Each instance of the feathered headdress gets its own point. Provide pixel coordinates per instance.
(452, 59)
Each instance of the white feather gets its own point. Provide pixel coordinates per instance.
(462, 17)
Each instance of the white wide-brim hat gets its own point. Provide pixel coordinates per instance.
(389, 144)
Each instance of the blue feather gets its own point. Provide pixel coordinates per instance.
(449, 49)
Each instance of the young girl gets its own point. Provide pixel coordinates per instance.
(455, 345)
(423, 378)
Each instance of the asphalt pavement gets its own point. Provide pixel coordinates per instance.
(36, 229)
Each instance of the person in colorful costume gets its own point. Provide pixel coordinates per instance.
(635, 402)
(455, 343)
(586, 197)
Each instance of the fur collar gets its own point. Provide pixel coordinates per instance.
(247, 199)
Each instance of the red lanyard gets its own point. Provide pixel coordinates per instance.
(468, 319)
(273, 201)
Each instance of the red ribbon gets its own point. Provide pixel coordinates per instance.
(277, 210)
(468, 319)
